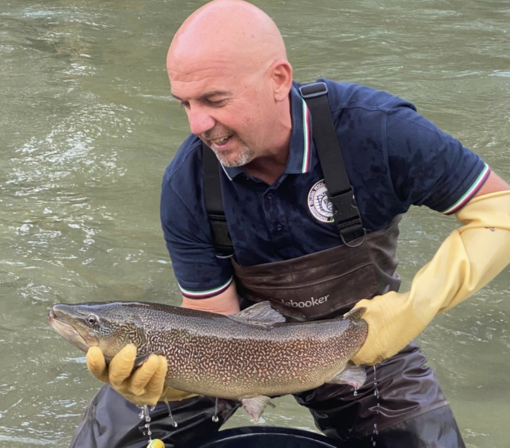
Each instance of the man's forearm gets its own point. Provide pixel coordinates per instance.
(468, 259)
(225, 303)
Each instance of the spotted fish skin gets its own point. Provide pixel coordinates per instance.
(216, 355)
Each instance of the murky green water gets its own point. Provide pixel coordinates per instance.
(87, 126)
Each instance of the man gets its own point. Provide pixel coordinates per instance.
(228, 69)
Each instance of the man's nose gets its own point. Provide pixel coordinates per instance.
(200, 120)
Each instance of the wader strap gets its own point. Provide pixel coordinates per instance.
(340, 192)
(214, 204)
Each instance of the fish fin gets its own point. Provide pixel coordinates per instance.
(255, 406)
(139, 360)
(353, 375)
(260, 314)
(356, 314)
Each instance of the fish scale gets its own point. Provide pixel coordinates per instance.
(251, 354)
(250, 364)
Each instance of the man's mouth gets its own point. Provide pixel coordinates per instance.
(220, 143)
(220, 140)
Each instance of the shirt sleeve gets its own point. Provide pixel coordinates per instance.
(428, 166)
(199, 273)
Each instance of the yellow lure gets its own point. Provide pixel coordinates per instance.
(156, 443)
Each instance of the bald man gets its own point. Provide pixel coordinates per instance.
(293, 194)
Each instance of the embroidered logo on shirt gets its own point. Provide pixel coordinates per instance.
(319, 204)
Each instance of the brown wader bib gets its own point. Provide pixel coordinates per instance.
(327, 283)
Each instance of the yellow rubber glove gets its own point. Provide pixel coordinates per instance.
(468, 259)
(145, 386)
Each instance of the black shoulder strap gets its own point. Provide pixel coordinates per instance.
(340, 191)
(214, 204)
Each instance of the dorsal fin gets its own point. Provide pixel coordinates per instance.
(260, 314)
(356, 314)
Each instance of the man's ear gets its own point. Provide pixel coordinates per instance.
(281, 77)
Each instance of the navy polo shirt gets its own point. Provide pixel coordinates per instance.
(394, 157)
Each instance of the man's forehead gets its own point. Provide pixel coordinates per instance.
(201, 79)
(192, 60)
(196, 67)
(208, 94)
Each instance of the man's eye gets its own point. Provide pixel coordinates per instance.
(218, 103)
(184, 104)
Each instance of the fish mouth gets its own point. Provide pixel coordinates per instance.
(67, 331)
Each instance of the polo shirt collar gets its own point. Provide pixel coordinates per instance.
(300, 155)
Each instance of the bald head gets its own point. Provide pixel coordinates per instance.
(228, 67)
(231, 32)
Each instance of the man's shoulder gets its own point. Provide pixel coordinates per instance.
(185, 161)
(347, 95)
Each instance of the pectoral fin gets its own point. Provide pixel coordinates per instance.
(255, 406)
(139, 360)
(353, 375)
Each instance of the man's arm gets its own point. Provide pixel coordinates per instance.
(225, 303)
(468, 259)
(492, 185)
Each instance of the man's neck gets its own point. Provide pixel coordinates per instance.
(270, 165)
(268, 169)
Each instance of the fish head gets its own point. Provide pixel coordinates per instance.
(106, 325)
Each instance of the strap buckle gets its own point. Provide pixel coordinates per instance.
(313, 89)
(347, 218)
(344, 205)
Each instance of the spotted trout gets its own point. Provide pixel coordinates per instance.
(249, 356)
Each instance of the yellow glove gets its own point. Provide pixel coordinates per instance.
(468, 259)
(146, 385)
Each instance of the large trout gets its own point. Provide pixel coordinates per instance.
(249, 356)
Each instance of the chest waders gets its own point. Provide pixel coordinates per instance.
(400, 405)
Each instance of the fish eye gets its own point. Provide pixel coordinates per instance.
(92, 320)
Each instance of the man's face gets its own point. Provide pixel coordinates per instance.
(230, 111)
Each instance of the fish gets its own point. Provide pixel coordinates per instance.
(250, 356)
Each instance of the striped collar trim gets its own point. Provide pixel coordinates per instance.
(477, 184)
(306, 139)
(301, 145)
(207, 293)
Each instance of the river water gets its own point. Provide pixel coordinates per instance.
(87, 126)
